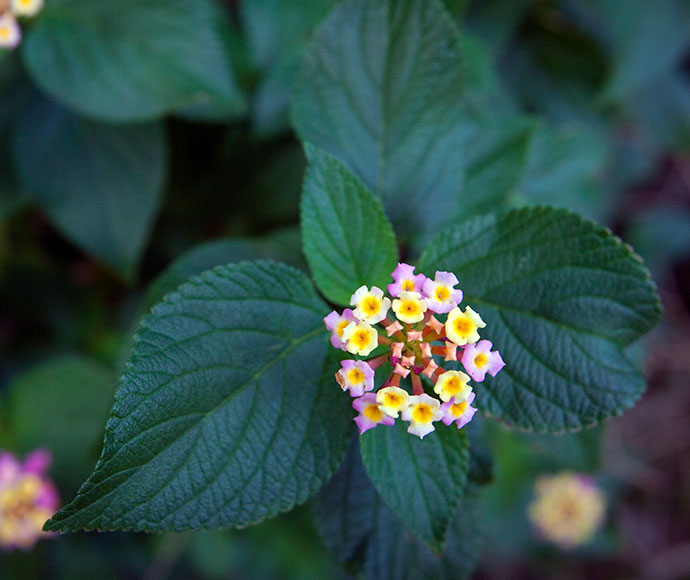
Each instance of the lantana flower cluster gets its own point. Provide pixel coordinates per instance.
(27, 499)
(568, 508)
(420, 324)
(10, 12)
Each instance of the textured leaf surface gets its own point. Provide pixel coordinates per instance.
(561, 297)
(381, 89)
(131, 60)
(422, 481)
(348, 239)
(227, 413)
(100, 184)
(362, 531)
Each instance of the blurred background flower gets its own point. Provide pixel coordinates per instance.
(27, 499)
(568, 508)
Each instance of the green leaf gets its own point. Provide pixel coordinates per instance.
(495, 164)
(381, 88)
(343, 509)
(480, 469)
(284, 246)
(13, 92)
(422, 481)
(365, 535)
(662, 111)
(456, 7)
(277, 32)
(348, 241)
(62, 404)
(100, 184)
(561, 297)
(131, 60)
(497, 22)
(648, 40)
(227, 413)
(516, 159)
(562, 166)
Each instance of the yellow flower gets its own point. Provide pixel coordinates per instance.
(26, 7)
(360, 338)
(409, 307)
(453, 385)
(392, 400)
(568, 508)
(461, 327)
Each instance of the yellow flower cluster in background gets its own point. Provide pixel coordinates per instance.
(27, 499)
(568, 508)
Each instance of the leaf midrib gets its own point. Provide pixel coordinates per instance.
(296, 343)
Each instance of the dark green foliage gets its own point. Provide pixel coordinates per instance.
(562, 297)
(150, 149)
(379, 89)
(223, 417)
(366, 535)
(100, 184)
(131, 60)
(348, 240)
(422, 481)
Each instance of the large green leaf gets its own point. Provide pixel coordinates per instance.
(561, 168)
(100, 184)
(381, 88)
(348, 240)
(422, 481)
(62, 404)
(227, 413)
(495, 164)
(277, 32)
(283, 245)
(516, 159)
(561, 298)
(366, 536)
(131, 60)
(647, 41)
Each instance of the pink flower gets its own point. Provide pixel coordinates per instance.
(478, 360)
(28, 499)
(441, 296)
(336, 323)
(355, 376)
(10, 33)
(405, 280)
(458, 412)
(369, 413)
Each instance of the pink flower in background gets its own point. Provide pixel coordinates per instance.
(27, 499)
